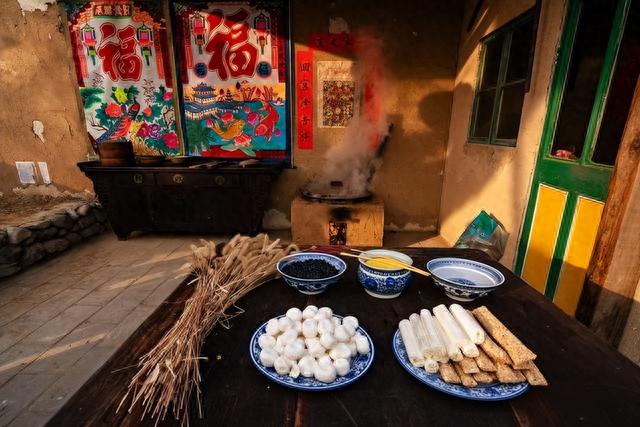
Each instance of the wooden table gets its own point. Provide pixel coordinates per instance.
(591, 383)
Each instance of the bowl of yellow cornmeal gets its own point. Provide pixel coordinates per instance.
(379, 277)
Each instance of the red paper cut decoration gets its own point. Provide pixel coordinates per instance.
(119, 59)
(229, 48)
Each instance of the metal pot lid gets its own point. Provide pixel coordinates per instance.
(334, 191)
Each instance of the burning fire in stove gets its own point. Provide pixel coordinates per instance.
(351, 163)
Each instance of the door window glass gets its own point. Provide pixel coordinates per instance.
(621, 91)
(587, 58)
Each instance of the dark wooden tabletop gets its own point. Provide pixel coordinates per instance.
(590, 382)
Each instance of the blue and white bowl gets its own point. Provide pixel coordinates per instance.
(464, 279)
(311, 286)
(384, 283)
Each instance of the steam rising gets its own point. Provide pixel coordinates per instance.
(352, 160)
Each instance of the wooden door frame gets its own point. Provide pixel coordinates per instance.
(605, 305)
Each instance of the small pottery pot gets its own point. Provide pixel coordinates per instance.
(116, 153)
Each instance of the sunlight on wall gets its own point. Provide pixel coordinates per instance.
(496, 179)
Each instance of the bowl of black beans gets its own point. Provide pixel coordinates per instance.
(311, 272)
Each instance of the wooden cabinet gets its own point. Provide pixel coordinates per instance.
(228, 199)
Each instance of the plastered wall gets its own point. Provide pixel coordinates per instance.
(496, 179)
(420, 48)
(421, 42)
(37, 82)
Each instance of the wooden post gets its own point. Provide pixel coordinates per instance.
(615, 265)
(166, 8)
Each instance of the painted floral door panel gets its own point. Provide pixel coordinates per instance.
(597, 68)
(232, 62)
(122, 66)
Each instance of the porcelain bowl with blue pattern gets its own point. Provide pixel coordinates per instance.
(385, 283)
(311, 286)
(463, 279)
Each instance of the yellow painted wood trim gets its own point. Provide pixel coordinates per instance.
(545, 226)
(580, 243)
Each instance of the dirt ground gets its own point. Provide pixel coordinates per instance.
(15, 207)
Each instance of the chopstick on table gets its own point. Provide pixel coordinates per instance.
(391, 262)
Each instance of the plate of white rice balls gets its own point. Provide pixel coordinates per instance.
(312, 349)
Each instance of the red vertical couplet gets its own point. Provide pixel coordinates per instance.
(304, 98)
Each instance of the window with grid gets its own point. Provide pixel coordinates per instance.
(502, 83)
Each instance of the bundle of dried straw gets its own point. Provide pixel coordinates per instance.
(169, 374)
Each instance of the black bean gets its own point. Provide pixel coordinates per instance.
(310, 269)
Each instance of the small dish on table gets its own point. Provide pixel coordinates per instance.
(463, 279)
(149, 160)
(181, 160)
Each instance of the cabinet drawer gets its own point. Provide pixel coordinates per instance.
(199, 180)
(133, 179)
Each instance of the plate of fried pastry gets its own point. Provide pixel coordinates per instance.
(468, 354)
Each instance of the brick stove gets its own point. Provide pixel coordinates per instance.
(333, 215)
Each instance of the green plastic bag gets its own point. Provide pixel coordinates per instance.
(485, 233)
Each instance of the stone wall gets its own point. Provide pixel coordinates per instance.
(49, 233)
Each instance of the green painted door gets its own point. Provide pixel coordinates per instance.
(597, 66)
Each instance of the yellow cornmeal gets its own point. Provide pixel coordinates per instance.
(383, 262)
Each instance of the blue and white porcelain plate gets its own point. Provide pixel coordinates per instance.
(360, 364)
(491, 392)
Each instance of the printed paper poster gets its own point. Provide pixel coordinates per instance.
(337, 93)
(233, 68)
(120, 54)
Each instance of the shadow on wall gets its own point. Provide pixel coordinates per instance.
(493, 15)
(480, 176)
(7, 42)
(9, 174)
(413, 50)
(419, 50)
(409, 178)
(467, 180)
(473, 169)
